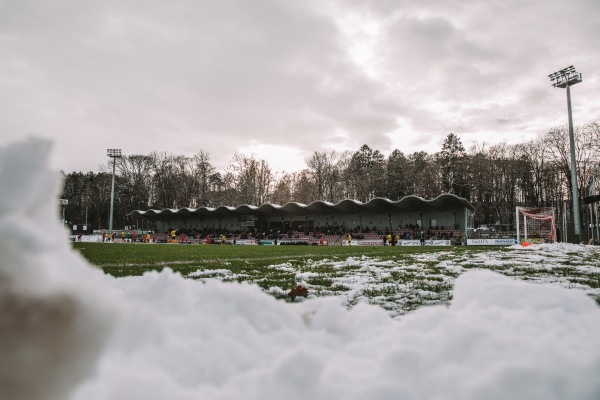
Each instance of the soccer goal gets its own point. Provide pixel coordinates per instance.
(536, 225)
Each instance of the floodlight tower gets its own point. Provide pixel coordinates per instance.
(565, 78)
(114, 154)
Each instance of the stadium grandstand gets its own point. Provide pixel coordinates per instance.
(409, 221)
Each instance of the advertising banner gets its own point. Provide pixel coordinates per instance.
(412, 242)
(437, 242)
(360, 242)
(244, 242)
(491, 242)
(416, 242)
(428, 242)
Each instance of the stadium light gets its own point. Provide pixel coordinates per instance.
(114, 154)
(565, 78)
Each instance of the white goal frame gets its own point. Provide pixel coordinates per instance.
(539, 214)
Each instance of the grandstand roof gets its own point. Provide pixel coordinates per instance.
(444, 202)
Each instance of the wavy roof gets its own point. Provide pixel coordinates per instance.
(444, 202)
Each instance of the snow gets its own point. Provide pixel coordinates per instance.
(70, 332)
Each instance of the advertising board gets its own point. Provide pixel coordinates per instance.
(491, 242)
(417, 242)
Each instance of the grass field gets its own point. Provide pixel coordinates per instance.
(399, 279)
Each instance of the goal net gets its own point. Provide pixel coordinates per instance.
(536, 225)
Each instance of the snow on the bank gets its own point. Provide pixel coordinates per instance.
(70, 332)
(56, 313)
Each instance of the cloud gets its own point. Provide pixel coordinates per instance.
(479, 64)
(224, 76)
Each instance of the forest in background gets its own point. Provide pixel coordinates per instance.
(494, 178)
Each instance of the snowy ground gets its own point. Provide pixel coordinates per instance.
(400, 285)
(70, 332)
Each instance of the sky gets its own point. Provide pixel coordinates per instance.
(71, 332)
(280, 80)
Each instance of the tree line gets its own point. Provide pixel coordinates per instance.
(494, 178)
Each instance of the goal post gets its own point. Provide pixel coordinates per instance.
(536, 224)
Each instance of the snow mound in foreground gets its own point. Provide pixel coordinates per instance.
(70, 332)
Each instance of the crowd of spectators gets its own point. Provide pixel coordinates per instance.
(300, 233)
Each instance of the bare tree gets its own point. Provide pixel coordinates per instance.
(136, 174)
(417, 164)
(164, 184)
(344, 186)
(325, 173)
(252, 177)
(586, 151)
(183, 173)
(202, 171)
(304, 189)
(222, 189)
(482, 180)
(283, 189)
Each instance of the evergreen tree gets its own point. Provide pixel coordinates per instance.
(452, 161)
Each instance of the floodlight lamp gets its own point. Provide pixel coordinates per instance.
(116, 153)
(565, 77)
(566, 71)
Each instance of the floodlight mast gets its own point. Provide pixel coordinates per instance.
(114, 154)
(565, 78)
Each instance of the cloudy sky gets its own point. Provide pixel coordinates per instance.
(282, 79)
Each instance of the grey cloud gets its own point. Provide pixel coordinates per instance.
(221, 76)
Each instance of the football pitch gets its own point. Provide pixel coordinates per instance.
(399, 279)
